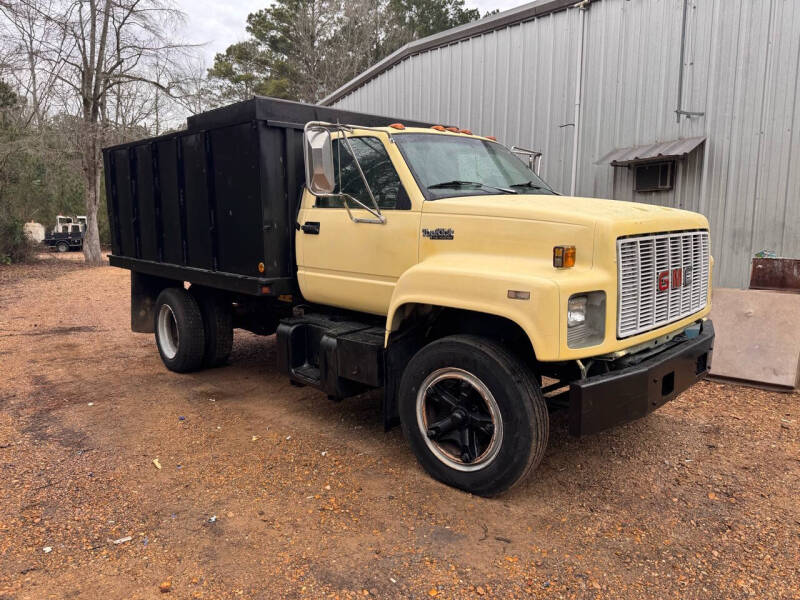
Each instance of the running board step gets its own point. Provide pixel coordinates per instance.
(340, 357)
(306, 374)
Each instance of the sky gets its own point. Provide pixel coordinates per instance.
(218, 24)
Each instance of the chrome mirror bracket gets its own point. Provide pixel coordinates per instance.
(374, 210)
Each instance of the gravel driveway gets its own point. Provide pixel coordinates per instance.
(270, 491)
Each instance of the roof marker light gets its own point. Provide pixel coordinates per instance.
(466, 131)
(397, 126)
(438, 127)
(491, 137)
(453, 129)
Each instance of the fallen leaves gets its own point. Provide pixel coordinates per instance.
(719, 487)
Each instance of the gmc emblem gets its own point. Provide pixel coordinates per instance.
(674, 279)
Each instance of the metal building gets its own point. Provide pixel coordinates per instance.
(693, 100)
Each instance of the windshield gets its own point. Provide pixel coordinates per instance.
(447, 166)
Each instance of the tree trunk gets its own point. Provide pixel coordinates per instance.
(92, 171)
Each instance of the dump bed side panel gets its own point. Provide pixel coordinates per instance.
(121, 164)
(199, 231)
(279, 217)
(194, 200)
(166, 169)
(113, 213)
(295, 182)
(238, 200)
(146, 202)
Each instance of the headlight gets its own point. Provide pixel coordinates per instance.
(586, 319)
(576, 310)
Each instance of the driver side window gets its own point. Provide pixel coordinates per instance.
(378, 171)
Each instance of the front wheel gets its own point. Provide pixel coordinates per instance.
(62, 247)
(473, 413)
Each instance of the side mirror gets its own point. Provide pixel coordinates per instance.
(318, 154)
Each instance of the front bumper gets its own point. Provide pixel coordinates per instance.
(629, 393)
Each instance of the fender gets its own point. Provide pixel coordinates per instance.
(481, 283)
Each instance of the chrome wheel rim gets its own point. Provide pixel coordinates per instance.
(168, 337)
(459, 419)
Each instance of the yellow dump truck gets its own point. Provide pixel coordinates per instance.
(415, 258)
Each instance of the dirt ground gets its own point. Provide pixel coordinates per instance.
(271, 491)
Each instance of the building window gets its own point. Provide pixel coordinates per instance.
(654, 177)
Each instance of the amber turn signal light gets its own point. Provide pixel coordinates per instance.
(563, 257)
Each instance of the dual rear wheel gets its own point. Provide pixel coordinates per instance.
(193, 329)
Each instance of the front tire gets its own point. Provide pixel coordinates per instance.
(473, 414)
(62, 247)
(179, 332)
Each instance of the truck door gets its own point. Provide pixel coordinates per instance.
(356, 265)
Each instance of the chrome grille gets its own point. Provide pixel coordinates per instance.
(643, 302)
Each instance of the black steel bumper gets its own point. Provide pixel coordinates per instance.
(620, 396)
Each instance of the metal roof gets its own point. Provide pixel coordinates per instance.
(622, 157)
(520, 14)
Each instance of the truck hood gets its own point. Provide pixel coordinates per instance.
(621, 217)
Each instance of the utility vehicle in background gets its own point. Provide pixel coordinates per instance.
(67, 234)
(420, 259)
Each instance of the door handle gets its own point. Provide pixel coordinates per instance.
(311, 227)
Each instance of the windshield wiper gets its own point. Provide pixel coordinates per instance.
(456, 183)
(531, 185)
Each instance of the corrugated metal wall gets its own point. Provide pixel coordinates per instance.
(741, 69)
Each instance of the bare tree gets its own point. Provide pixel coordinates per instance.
(106, 57)
(34, 36)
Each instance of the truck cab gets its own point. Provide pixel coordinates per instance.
(444, 225)
(435, 265)
(465, 224)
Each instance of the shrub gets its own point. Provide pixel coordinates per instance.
(14, 244)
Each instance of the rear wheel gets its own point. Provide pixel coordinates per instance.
(179, 332)
(473, 414)
(218, 326)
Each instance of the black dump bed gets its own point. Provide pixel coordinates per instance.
(216, 204)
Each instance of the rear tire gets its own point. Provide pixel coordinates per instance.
(218, 326)
(473, 414)
(179, 331)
